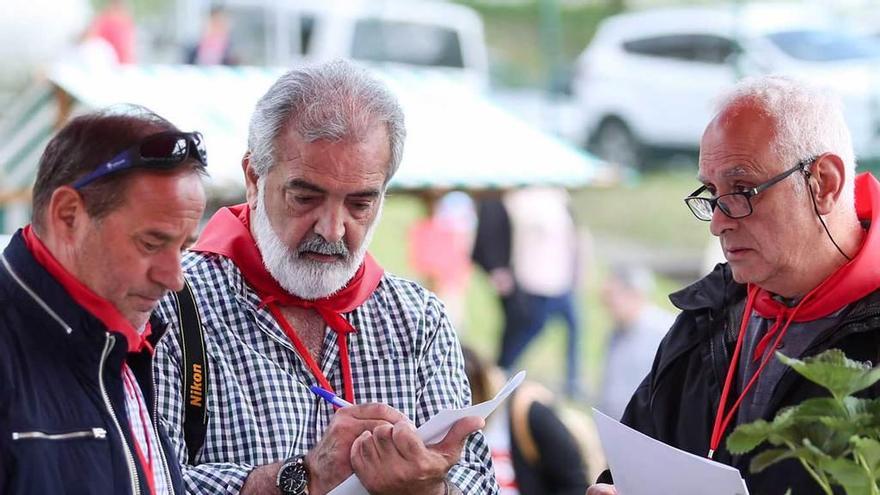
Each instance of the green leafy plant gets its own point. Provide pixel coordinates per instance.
(836, 439)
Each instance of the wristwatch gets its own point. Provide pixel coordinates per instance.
(293, 477)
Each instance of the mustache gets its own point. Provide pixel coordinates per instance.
(317, 244)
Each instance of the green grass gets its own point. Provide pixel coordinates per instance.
(649, 212)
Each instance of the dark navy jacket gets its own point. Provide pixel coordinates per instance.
(63, 423)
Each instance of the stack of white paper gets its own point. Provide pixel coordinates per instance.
(642, 465)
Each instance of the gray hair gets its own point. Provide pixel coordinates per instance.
(335, 100)
(808, 121)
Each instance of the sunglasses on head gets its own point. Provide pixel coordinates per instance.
(161, 151)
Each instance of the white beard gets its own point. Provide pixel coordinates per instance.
(301, 276)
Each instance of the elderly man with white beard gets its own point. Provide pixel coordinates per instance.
(289, 297)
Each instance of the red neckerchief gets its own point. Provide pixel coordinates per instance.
(228, 234)
(851, 282)
(99, 307)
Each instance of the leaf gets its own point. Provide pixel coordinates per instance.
(813, 454)
(769, 457)
(822, 407)
(748, 436)
(834, 371)
(869, 450)
(849, 475)
(837, 436)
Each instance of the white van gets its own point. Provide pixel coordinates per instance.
(433, 34)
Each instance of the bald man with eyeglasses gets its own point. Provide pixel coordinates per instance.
(795, 224)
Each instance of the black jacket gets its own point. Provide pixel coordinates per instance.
(677, 401)
(63, 425)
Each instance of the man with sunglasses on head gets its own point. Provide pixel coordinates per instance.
(798, 229)
(288, 297)
(117, 196)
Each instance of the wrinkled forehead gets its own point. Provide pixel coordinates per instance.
(739, 142)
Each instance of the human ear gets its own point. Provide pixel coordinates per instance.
(250, 179)
(827, 176)
(65, 214)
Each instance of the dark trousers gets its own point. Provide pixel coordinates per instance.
(525, 317)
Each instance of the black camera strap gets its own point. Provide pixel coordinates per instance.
(193, 370)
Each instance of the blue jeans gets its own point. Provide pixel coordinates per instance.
(538, 310)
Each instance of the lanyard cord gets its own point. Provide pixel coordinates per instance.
(342, 344)
(722, 419)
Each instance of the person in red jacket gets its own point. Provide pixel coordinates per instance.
(115, 25)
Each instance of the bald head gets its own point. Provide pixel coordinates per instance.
(805, 121)
(743, 134)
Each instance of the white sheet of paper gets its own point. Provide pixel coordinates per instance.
(433, 430)
(642, 465)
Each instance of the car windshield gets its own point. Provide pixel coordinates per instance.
(406, 42)
(825, 46)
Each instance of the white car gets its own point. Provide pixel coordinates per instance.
(649, 80)
(441, 35)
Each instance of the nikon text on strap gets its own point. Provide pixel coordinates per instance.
(193, 370)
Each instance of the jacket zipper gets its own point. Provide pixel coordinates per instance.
(95, 433)
(132, 469)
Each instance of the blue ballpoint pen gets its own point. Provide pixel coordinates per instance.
(330, 396)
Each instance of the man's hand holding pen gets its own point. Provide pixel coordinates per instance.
(381, 446)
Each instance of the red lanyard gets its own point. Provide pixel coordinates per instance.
(722, 419)
(341, 343)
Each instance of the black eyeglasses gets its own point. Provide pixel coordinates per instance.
(164, 151)
(736, 204)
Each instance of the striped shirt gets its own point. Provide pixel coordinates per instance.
(148, 449)
(404, 354)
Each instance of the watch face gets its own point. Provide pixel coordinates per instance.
(292, 479)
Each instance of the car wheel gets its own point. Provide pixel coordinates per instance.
(615, 143)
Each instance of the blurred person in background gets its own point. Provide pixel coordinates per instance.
(117, 198)
(802, 276)
(214, 46)
(439, 251)
(639, 326)
(115, 25)
(492, 251)
(533, 451)
(545, 260)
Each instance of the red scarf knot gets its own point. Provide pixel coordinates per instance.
(228, 234)
(334, 320)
